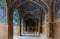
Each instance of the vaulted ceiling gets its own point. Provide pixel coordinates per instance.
(30, 9)
(28, 6)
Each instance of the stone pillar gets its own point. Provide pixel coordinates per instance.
(16, 30)
(51, 19)
(39, 27)
(45, 31)
(57, 24)
(45, 27)
(57, 30)
(22, 26)
(10, 24)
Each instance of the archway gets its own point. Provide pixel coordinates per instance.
(16, 22)
(10, 16)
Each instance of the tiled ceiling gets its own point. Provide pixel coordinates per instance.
(32, 8)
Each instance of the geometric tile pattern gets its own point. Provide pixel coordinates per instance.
(57, 10)
(2, 12)
(43, 5)
(40, 2)
(30, 6)
(15, 18)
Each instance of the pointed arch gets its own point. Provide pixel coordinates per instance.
(15, 18)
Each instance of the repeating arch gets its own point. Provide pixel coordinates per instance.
(37, 4)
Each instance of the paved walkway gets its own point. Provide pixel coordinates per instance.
(24, 37)
(28, 37)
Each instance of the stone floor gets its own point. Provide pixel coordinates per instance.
(25, 37)
(28, 36)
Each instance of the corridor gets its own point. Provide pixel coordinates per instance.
(29, 19)
(28, 37)
(24, 37)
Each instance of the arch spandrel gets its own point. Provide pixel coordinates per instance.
(57, 10)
